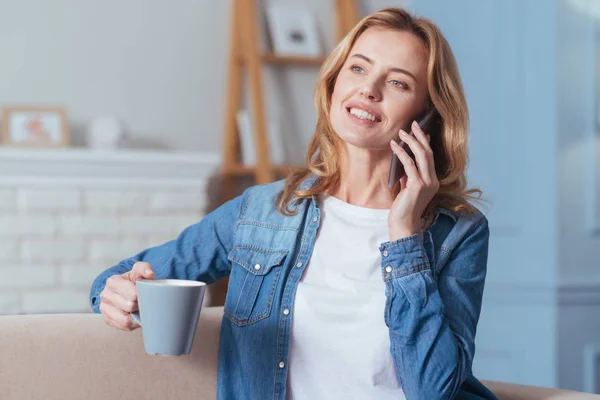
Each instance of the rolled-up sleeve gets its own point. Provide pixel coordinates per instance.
(432, 322)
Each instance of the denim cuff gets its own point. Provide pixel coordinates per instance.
(97, 288)
(95, 299)
(403, 257)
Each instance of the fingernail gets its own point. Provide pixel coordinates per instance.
(415, 124)
(402, 132)
(148, 272)
(394, 143)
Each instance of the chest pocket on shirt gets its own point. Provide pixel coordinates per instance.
(252, 283)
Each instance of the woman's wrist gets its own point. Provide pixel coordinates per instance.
(400, 231)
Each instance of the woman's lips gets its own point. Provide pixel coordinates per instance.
(364, 110)
(361, 119)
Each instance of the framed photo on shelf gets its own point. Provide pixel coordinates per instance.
(293, 31)
(34, 127)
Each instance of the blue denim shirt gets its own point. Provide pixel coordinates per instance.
(433, 284)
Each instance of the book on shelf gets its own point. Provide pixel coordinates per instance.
(248, 149)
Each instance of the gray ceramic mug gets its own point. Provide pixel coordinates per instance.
(169, 310)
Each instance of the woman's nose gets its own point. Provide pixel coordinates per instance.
(370, 93)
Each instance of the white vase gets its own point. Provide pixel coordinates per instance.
(104, 133)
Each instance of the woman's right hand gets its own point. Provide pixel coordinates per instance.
(119, 297)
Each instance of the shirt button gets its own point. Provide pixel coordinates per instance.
(315, 218)
(286, 311)
(385, 253)
(257, 267)
(388, 269)
(299, 264)
(281, 364)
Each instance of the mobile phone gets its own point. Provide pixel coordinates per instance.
(396, 167)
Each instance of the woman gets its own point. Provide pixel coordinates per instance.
(340, 287)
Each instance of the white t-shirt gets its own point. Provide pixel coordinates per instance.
(340, 345)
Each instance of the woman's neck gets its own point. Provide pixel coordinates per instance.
(363, 181)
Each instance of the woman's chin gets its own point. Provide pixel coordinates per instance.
(365, 143)
(362, 138)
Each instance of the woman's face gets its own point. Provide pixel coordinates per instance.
(381, 88)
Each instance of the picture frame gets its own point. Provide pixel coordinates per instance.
(293, 31)
(24, 126)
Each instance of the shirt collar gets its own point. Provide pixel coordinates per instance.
(308, 182)
(440, 210)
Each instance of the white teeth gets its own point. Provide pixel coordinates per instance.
(362, 114)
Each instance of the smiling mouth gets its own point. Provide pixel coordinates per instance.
(362, 114)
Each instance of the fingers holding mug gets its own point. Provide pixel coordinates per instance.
(117, 318)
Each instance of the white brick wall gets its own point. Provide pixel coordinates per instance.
(51, 249)
(8, 200)
(55, 301)
(54, 242)
(41, 225)
(113, 250)
(28, 277)
(78, 224)
(9, 250)
(114, 200)
(48, 200)
(79, 275)
(9, 302)
(176, 201)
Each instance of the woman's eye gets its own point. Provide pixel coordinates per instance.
(398, 84)
(356, 68)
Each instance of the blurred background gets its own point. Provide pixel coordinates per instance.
(122, 125)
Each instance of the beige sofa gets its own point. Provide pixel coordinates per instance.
(77, 356)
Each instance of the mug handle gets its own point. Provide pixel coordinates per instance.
(136, 317)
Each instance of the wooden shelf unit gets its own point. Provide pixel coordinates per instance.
(245, 54)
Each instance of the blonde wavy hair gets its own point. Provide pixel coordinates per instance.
(449, 143)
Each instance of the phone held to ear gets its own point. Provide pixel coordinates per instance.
(396, 167)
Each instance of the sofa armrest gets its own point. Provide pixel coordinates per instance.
(511, 391)
(78, 356)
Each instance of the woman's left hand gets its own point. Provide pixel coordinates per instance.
(418, 185)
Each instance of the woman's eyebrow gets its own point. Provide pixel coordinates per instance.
(393, 69)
